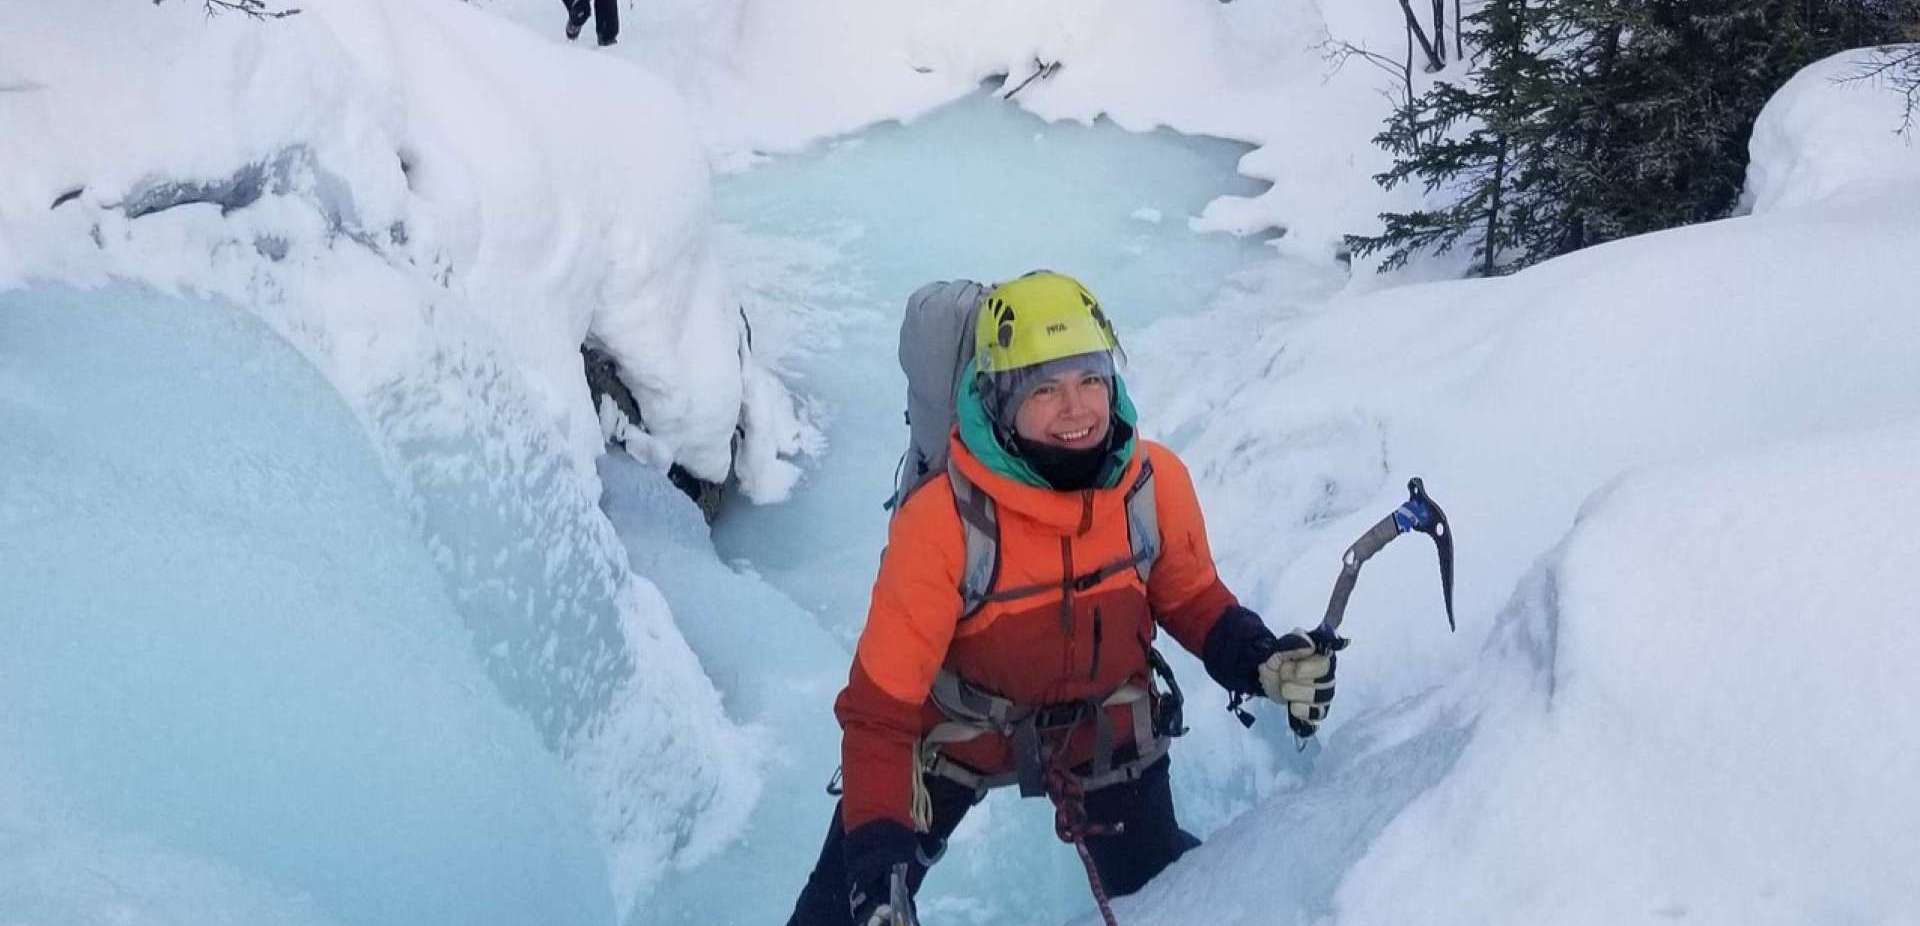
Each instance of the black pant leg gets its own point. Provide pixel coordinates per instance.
(606, 20)
(1151, 838)
(823, 901)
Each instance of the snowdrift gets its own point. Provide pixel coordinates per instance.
(1690, 706)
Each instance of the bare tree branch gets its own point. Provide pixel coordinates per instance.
(1435, 60)
(1340, 52)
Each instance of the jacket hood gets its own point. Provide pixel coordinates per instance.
(977, 432)
(1014, 485)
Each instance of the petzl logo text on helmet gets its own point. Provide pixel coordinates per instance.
(1057, 328)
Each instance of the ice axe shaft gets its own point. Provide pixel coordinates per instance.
(1419, 513)
(900, 898)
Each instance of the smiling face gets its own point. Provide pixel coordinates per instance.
(1072, 409)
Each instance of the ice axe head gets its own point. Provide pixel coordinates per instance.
(1421, 514)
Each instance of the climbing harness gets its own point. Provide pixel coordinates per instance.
(972, 712)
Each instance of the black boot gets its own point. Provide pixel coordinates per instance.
(577, 13)
(606, 20)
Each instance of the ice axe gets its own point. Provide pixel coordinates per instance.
(1418, 513)
(899, 899)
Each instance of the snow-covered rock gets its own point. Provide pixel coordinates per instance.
(1831, 133)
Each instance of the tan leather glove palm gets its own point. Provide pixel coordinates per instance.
(1300, 678)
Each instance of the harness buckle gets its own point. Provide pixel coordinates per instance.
(1057, 716)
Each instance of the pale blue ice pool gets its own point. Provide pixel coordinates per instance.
(826, 246)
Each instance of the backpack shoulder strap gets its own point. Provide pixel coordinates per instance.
(981, 522)
(982, 526)
(1143, 520)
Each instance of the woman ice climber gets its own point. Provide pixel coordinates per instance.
(1010, 631)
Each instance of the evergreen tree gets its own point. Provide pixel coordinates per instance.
(1590, 120)
(1463, 140)
(1577, 165)
(1693, 77)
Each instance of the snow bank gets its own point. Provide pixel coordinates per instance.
(1710, 727)
(1515, 398)
(437, 210)
(774, 77)
(1722, 723)
(235, 688)
(1829, 132)
(1688, 707)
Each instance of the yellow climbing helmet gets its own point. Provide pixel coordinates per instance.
(1039, 317)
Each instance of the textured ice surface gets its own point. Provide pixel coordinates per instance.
(235, 688)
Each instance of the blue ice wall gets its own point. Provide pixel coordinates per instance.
(222, 643)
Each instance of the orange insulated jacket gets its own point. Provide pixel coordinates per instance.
(1058, 645)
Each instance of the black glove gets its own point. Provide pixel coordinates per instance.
(878, 856)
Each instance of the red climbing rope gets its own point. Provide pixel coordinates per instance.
(1093, 881)
(1071, 825)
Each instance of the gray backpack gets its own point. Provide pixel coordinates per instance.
(936, 350)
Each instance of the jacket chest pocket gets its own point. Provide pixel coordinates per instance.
(1102, 650)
